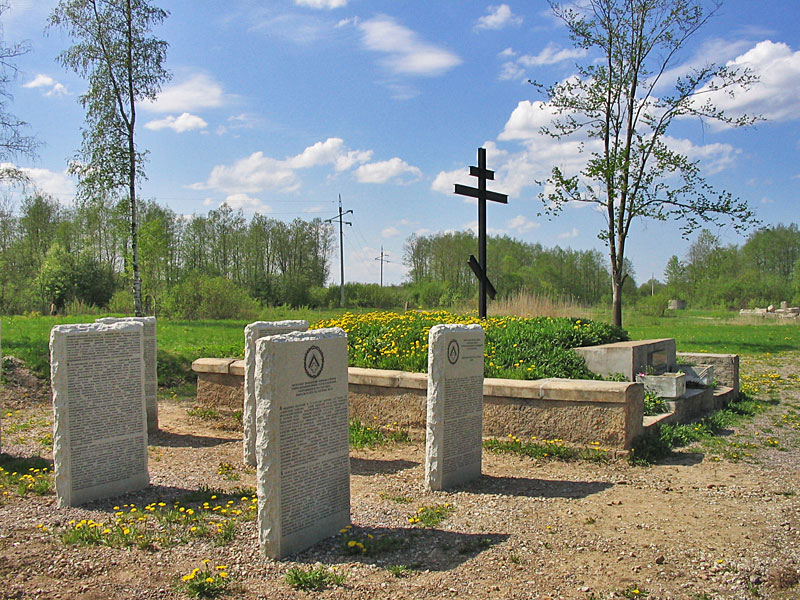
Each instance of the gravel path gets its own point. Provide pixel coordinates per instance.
(691, 527)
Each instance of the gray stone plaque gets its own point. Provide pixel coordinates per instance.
(302, 448)
(150, 364)
(100, 422)
(252, 333)
(454, 442)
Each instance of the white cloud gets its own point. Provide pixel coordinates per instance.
(252, 175)
(195, 92)
(498, 18)
(314, 209)
(180, 124)
(258, 173)
(394, 170)
(775, 95)
(390, 231)
(551, 55)
(522, 224)
(406, 52)
(247, 203)
(58, 184)
(766, 200)
(568, 235)
(331, 151)
(329, 4)
(527, 119)
(715, 157)
(50, 86)
(519, 66)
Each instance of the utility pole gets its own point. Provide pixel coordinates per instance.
(341, 246)
(383, 260)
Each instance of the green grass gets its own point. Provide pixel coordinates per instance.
(544, 449)
(714, 331)
(180, 342)
(366, 436)
(431, 516)
(313, 578)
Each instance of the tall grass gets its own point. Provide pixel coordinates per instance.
(525, 304)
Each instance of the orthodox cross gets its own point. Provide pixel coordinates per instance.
(482, 194)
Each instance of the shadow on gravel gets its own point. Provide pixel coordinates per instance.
(416, 549)
(535, 488)
(179, 440)
(365, 466)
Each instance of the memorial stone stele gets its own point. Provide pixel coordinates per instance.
(100, 422)
(454, 427)
(150, 365)
(252, 333)
(302, 449)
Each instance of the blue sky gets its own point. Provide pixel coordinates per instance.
(278, 107)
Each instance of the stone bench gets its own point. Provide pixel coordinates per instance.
(579, 411)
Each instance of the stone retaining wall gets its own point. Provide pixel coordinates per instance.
(726, 367)
(578, 411)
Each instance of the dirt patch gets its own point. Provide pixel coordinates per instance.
(691, 527)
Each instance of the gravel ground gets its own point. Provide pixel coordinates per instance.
(690, 527)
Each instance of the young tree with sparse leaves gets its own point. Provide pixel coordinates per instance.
(124, 65)
(620, 102)
(13, 142)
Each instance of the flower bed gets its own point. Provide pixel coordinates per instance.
(516, 347)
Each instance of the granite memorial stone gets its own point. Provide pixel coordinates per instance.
(150, 365)
(252, 333)
(100, 422)
(302, 449)
(454, 428)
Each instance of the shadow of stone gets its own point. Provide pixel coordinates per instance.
(180, 440)
(414, 548)
(535, 488)
(682, 459)
(165, 493)
(366, 466)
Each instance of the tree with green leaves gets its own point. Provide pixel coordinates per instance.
(124, 65)
(622, 104)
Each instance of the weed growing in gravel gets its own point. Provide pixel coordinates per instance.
(228, 471)
(552, 449)
(635, 592)
(358, 542)
(399, 570)
(166, 524)
(25, 476)
(398, 498)
(205, 582)
(203, 413)
(365, 436)
(431, 516)
(313, 578)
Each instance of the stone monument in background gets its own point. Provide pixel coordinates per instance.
(150, 364)
(454, 442)
(252, 333)
(100, 422)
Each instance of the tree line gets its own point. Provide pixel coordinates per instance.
(51, 256)
(764, 270)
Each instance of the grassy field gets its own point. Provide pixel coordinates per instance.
(180, 342)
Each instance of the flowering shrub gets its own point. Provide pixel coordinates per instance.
(516, 347)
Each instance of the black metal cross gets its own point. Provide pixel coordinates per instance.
(482, 194)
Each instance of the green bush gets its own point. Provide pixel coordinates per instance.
(204, 297)
(121, 302)
(516, 348)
